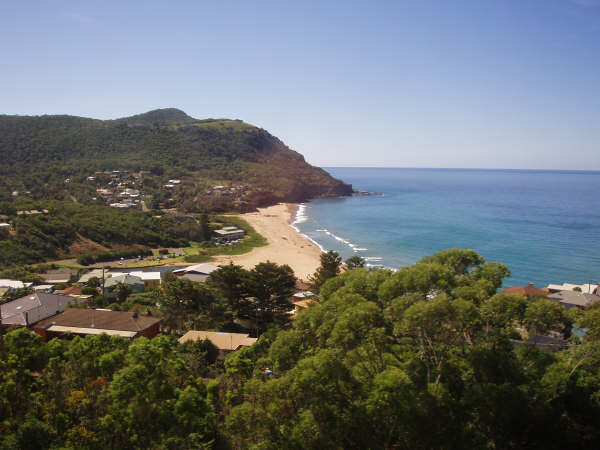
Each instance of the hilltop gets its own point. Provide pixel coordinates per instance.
(60, 157)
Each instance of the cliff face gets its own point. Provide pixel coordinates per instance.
(41, 151)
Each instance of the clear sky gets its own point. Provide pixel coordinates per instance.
(406, 83)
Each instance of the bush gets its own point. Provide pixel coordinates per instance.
(196, 258)
(90, 258)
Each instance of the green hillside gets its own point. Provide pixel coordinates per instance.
(51, 157)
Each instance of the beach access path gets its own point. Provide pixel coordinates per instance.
(285, 245)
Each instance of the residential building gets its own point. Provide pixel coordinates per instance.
(32, 308)
(585, 288)
(198, 272)
(528, 291)
(85, 322)
(135, 284)
(150, 279)
(225, 342)
(227, 234)
(13, 284)
(572, 299)
(96, 273)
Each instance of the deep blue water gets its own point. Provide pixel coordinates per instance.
(544, 225)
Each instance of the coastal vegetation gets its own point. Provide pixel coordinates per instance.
(65, 157)
(94, 233)
(430, 356)
(70, 229)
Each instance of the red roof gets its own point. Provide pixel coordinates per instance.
(527, 291)
(72, 290)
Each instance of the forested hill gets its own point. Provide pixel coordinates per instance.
(39, 152)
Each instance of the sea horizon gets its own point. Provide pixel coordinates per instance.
(482, 169)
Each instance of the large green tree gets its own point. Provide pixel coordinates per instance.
(331, 263)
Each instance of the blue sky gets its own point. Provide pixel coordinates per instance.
(480, 83)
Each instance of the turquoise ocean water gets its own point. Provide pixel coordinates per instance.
(544, 225)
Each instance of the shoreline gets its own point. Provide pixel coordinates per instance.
(286, 245)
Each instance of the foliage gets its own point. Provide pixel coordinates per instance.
(102, 392)
(191, 306)
(401, 360)
(260, 296)
(420, 358)
(330, 267)
(43, 236)
(13, 294)
(355, 262)
(39, 153)
(91, 258)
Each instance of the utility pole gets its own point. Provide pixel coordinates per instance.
(103, 279)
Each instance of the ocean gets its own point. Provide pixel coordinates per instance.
(544, 225)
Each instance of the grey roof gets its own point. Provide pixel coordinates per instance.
(93, 273)
(204, 269)
(574, 298)
(125, 279)
(38, 306)
(197, 277)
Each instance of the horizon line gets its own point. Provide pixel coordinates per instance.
(458, 168)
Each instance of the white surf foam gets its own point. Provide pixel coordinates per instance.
(301, 214)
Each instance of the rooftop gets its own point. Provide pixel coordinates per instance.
(125, 279)
(197, 268)
(573, 298)
(223, 341)
(526, 291)
(98, 320)
(33, 308)
(15, 284)
(145, 276)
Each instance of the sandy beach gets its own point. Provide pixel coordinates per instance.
(286, 246)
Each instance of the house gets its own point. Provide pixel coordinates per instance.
(96, 273)
(302, 300)
(32, 308)
(75, 293)
(198, 272)
(303, 304)
(302, 295)
(150, 279)
(572, 299)
(135, 284)
(71, 290)
(85, 322)
(225, 342)
(529, 291)
(49, 288)
(227, 234)
(13, 284)
(585, 288)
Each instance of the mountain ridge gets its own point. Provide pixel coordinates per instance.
(40, 152)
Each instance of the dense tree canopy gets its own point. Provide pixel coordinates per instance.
(403, 360)
(429, 356)
(42, 236)
(39, 153)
